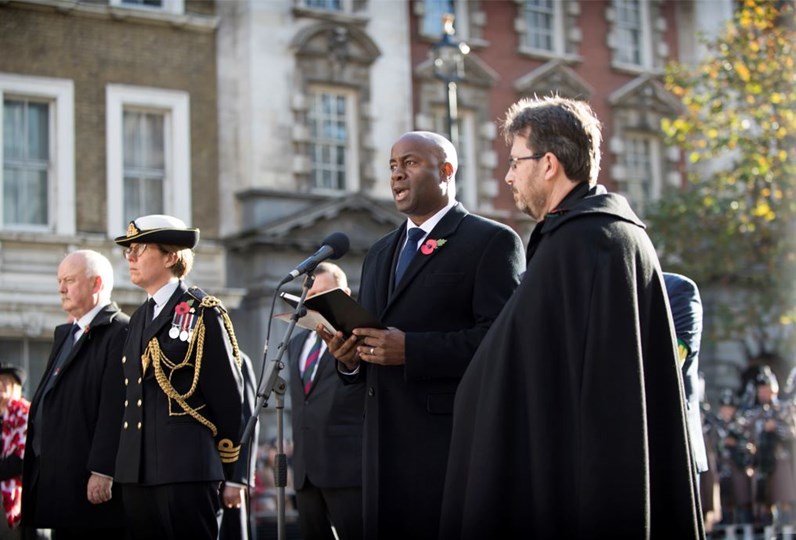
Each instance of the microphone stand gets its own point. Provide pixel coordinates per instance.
(272, 382)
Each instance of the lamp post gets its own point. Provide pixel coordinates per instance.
(448, 55)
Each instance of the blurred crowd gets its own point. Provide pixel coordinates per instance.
(750, 436)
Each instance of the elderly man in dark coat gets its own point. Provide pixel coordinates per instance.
(570, 422)
(75, 414)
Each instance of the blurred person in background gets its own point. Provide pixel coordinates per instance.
(14, 419)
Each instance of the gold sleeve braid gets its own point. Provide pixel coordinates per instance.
(154, 355)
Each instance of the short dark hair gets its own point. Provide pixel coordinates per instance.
(565, 127)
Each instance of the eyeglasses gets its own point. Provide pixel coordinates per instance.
(136, 251)
(513, 160)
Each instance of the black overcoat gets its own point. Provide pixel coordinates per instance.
(81, 418)
(327, 423)
(159, 442)
(445, 303)
(570, 422)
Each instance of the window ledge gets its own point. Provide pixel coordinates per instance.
(330, 16)
(636, 69)
(541, 54)
(188, 21)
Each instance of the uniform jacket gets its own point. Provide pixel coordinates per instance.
(327, 423)
(445, 304)
(247, 461)
(570, 422)
(159, 442)
(81, 418)
(686, 306)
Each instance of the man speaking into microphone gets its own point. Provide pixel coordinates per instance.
(438, 282)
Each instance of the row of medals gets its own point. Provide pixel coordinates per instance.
(182, 326)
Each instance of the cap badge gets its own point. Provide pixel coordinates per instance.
(132, 230)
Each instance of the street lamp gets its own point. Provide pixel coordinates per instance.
(448, 56)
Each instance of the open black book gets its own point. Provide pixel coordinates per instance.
(334, 309)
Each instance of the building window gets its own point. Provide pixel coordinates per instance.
(642, 170)
(466, 185)
(169, 6)
(631, 31)
(26, 162)
(333, 140)
(540, 27)
(328, 5)
(433, 12)
(143, 152)
(38, 154)
(149, 167)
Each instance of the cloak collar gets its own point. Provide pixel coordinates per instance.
(582, 201)
(585, 201)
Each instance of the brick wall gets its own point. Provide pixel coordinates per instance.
(94, 51)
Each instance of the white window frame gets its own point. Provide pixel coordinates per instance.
(635, 187)
(175, 105)
(176, 7)
(352, 177)
(467, 183)
(61, 182)
(558, 33)
(645, 46)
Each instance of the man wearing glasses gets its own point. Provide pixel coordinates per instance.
(182, 414)
(570, 420)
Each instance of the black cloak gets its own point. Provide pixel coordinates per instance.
(570, 421)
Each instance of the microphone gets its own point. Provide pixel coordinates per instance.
(334, 246)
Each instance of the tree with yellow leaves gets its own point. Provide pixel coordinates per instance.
(732, 227)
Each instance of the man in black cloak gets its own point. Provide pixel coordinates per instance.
(570, 421)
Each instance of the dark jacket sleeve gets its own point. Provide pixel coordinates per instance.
(222, 388)
(10, 467)
(110, 410)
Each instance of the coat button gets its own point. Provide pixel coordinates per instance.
(125, 425)
(124, 359)
(126, 381)
(125, 403)
(139, 380)
(139, 403)
(371, 391)
(139, 425)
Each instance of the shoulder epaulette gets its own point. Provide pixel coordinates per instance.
(205, 299)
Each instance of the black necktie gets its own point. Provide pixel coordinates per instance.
(414, 234)
(150, 311)
(66, 348)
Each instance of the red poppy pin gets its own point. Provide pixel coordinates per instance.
(430, 246)
(182, 308)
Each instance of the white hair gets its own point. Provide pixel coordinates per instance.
(98, 265)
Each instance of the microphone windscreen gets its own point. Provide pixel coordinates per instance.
(339, 243)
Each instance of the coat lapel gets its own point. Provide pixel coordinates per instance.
(101, 318)
(445, 229)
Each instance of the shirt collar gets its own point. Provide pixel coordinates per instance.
(86, 319)
(164, 293)
(429, 224)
